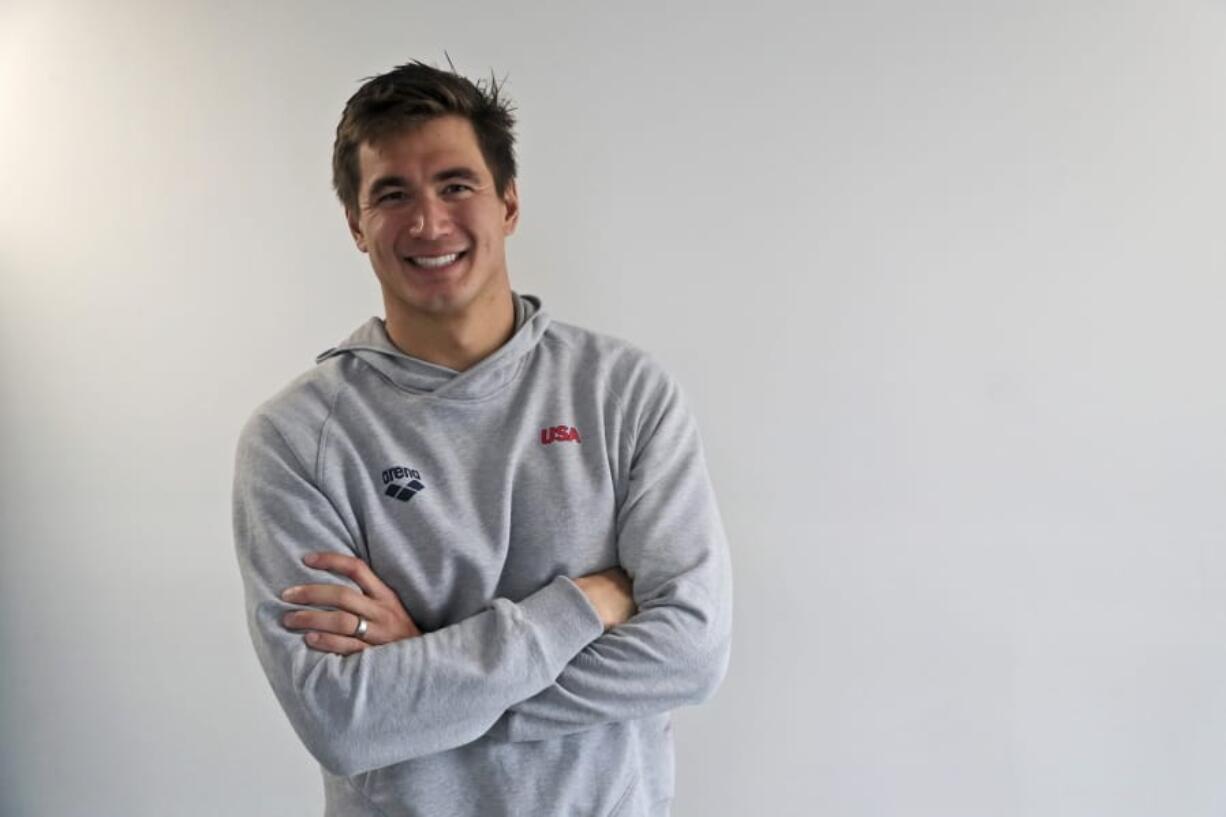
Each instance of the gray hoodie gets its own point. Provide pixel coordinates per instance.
(478, 496)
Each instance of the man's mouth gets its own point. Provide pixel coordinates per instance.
(435, 262)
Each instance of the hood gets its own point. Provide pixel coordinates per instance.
(370, 344)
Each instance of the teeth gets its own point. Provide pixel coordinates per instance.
(432, 262)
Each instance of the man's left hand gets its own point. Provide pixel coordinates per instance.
(334, 630)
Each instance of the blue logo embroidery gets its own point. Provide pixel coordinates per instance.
(397, 489)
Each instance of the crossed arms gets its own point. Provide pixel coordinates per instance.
(335, 630)
(572, 655)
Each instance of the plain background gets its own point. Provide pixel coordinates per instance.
(944, 281)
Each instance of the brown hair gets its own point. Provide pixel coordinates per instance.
(409, 95)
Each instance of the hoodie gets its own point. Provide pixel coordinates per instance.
(478, 496)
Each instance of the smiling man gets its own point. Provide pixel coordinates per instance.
(481, 553)
(433, 221)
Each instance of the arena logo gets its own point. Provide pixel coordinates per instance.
(393, 477)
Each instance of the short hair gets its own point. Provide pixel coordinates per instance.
(409, 95)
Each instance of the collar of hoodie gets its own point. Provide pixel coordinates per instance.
(370, 344)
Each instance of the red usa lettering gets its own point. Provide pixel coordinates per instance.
(559, 434)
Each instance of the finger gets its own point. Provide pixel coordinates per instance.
(338, 644)
(352, 567)
(336, 622)
(332, 595)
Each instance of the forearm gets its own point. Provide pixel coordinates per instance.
(663, 658)
(422, 695)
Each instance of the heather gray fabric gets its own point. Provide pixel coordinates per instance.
(478, 497)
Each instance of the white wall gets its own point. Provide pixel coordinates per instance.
(944, 281)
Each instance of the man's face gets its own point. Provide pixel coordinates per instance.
(425, 195)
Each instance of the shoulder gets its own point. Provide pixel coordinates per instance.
(624, 366)
(298, 413)
(641, 387)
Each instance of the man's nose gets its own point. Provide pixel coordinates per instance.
(431, 221)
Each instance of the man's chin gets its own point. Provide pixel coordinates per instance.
(439, 303)
(439, 299)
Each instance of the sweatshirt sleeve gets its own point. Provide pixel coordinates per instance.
(675, 650)
(396, 701)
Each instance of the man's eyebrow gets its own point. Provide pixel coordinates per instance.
(459, 172)
(466, 173)
(383, 182)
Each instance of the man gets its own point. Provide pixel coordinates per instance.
(481, 554)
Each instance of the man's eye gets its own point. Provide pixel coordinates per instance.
(457, 187)
(393, 196)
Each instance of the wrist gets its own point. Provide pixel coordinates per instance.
(589, 586)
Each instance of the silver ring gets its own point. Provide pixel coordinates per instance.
(361, 628)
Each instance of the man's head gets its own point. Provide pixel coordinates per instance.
(409, 95)
(424, 164)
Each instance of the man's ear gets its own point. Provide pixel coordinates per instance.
(510, 198)
(355, 229)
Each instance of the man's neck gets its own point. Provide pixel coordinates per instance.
(455, 341)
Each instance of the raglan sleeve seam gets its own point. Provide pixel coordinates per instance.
(324, 431)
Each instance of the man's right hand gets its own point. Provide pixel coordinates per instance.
(609, 592)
